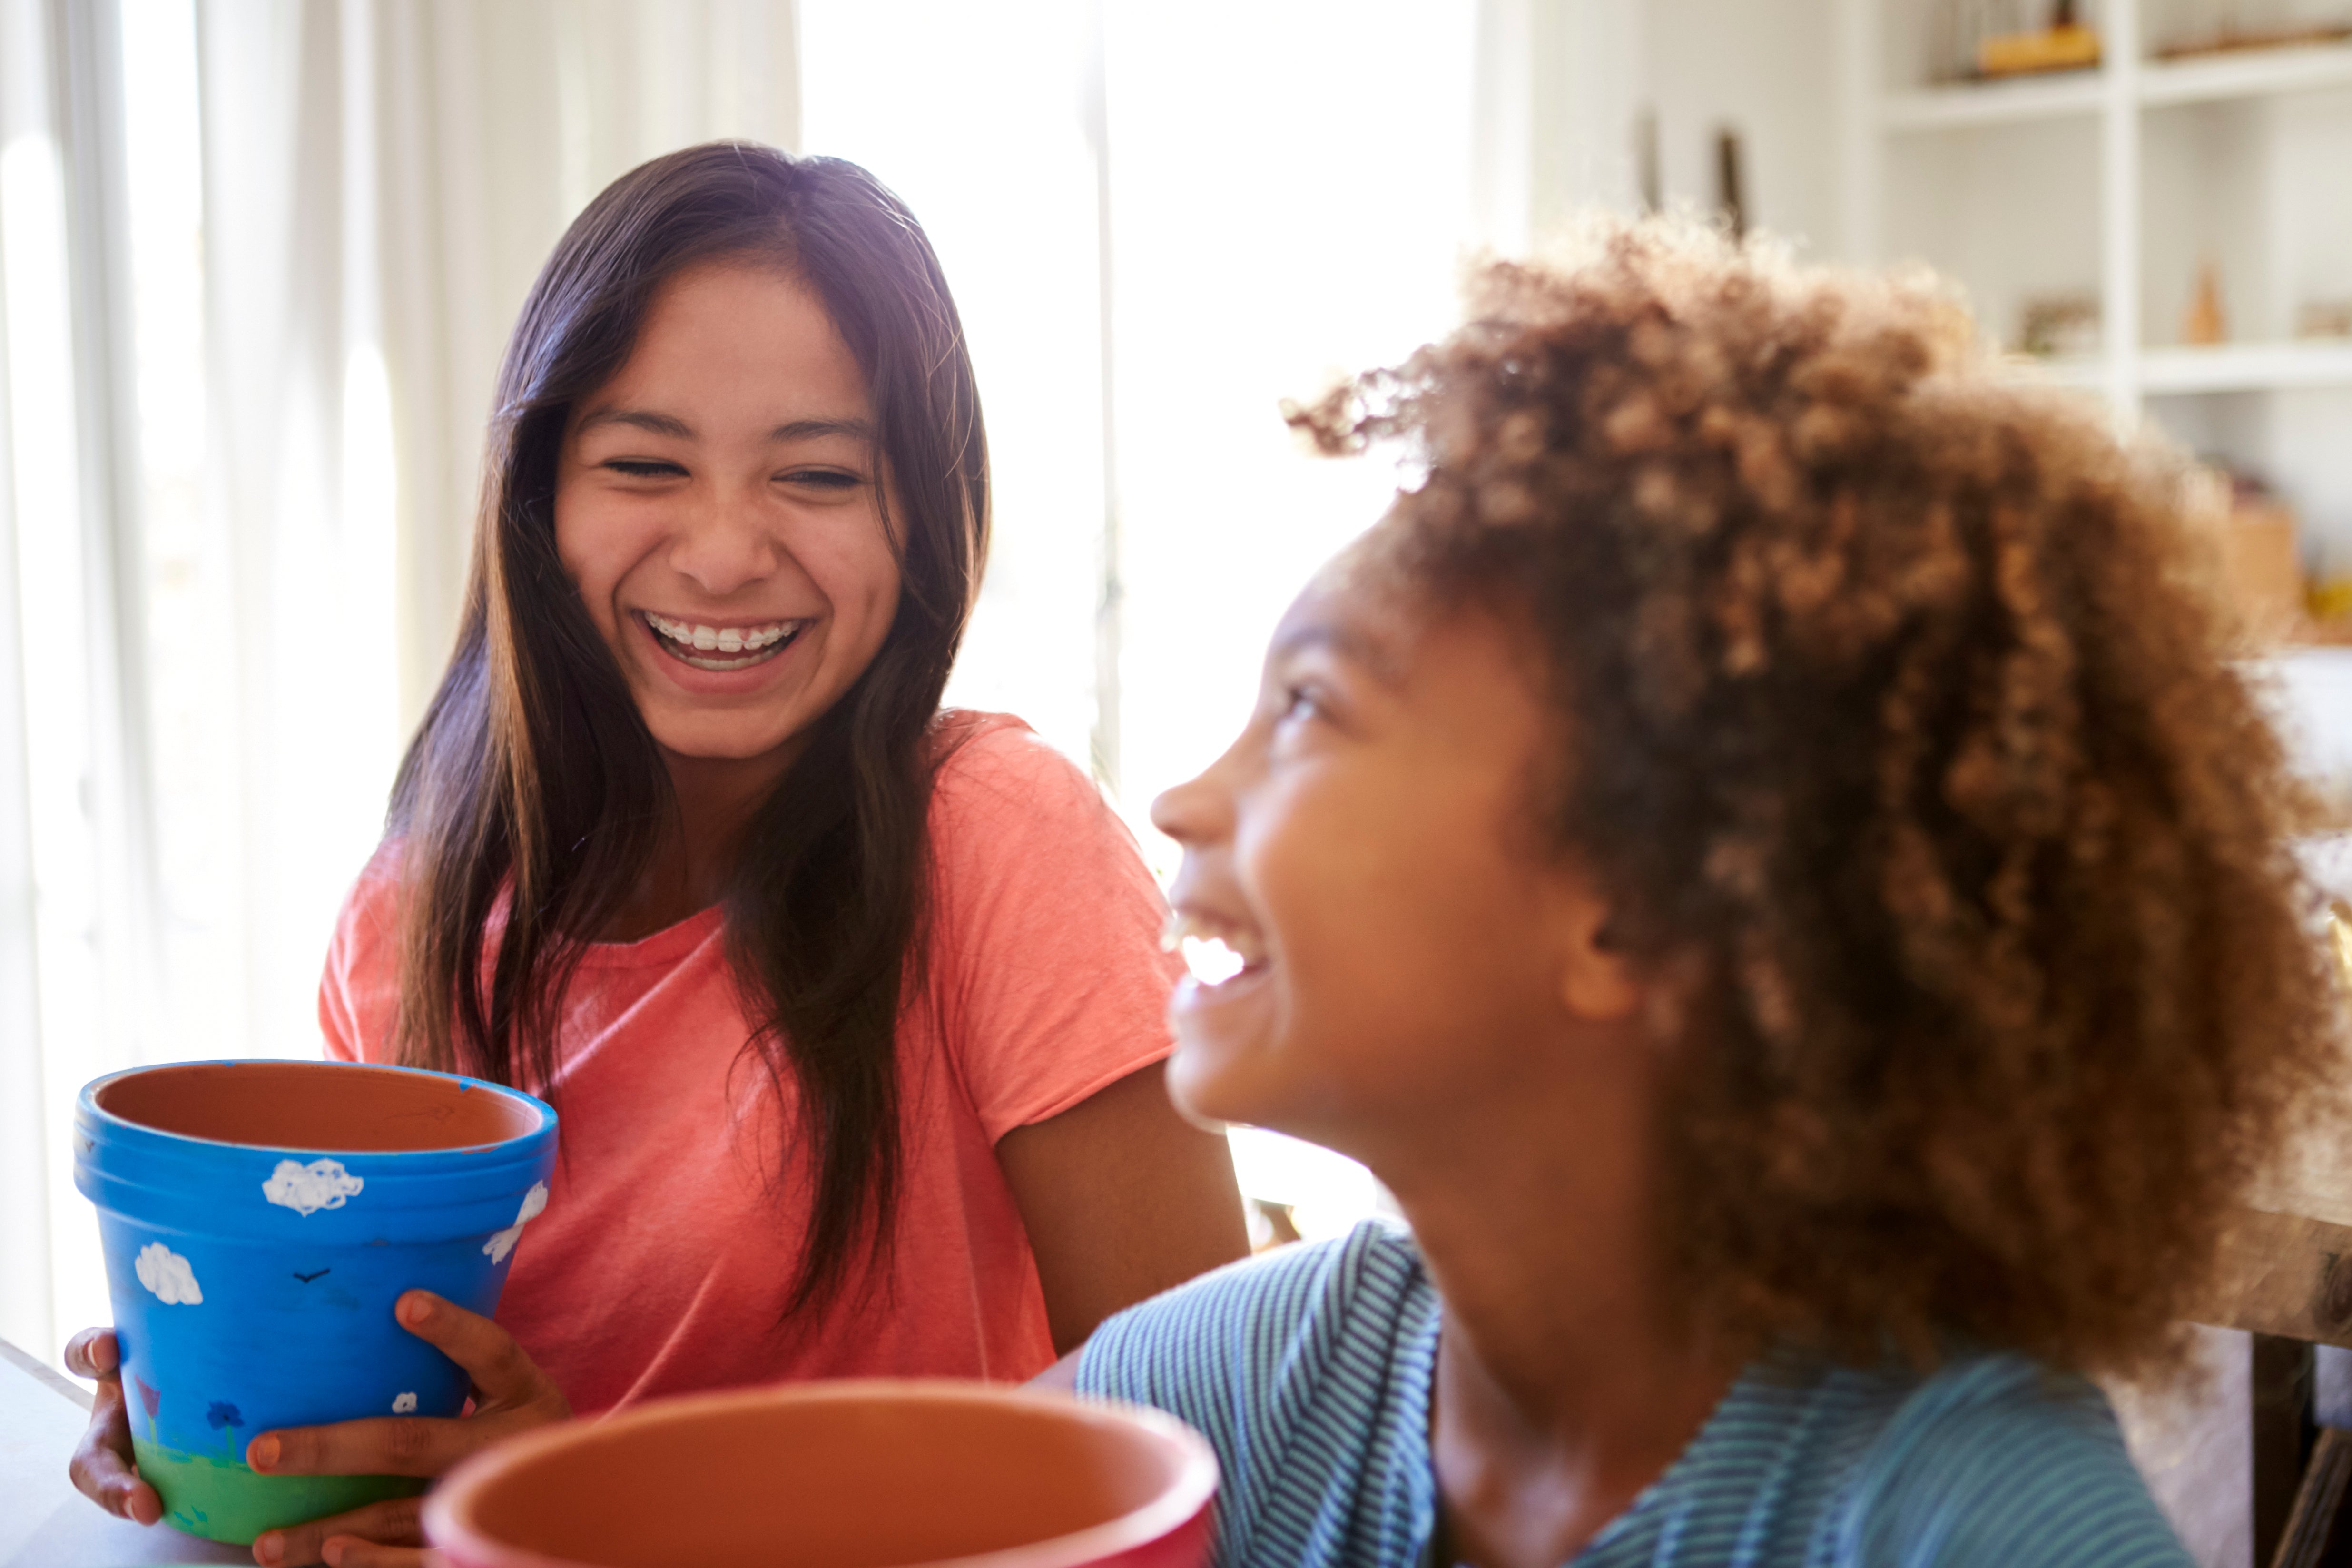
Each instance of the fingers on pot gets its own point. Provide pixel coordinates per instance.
(380, 1533)
(501, 1372)
(379, 1445)
(94, 1353)
(101, 1468)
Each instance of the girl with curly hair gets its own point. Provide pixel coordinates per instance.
(1762, 853)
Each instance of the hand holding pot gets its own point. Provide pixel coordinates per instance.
(102, 1468)
(511, 1395)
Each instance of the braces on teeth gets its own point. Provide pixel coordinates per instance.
(728, 639)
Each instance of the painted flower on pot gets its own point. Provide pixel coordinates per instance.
(150, 1398)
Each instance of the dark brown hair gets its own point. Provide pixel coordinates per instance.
(1893, 720)
(534, 794)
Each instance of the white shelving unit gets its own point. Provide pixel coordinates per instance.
(2246, 367)
(2253, 74)
(1884, 119)
(2122, 182)
(1995, 103)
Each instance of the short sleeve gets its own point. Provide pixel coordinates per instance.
(2007, 1462)
(1309, 1372)
(359, 993)
(1046, 955)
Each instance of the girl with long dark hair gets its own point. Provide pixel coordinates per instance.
(852, 1007)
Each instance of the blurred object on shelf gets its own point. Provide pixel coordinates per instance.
(2206, 324)
(1984, 40)
(2331, 598)
(2229, 38)
(1954, 31)
(1645, 160)
(1728, 183)
(2261, 559)
(2064, 45)
(2324, 319)
(2329, 603)
(2059, 326)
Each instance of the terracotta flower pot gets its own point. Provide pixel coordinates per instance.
(868, 1474)
(259, 1219)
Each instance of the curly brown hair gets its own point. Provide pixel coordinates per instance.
(1895, 719)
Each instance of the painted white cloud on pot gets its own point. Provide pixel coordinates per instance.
(533, 1201)
(306, 1189)
(167, 1275)
(403, 1404)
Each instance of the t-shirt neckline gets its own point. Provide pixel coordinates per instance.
(666, 945)
(1742, 1391)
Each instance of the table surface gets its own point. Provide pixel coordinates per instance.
(44, 1523)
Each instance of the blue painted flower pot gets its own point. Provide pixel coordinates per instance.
(259, 1219)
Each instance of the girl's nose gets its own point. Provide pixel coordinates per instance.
(723, 544)
(1197, 811)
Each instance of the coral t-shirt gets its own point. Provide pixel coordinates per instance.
(662, 1260)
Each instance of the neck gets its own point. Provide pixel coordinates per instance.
(693, 861)
(1567, 1380)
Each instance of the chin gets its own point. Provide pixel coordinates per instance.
(1192, 1084)
(719, 745)
(1209, 1087)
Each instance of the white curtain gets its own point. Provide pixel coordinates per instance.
(258, 262)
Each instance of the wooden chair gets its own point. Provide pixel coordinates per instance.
(2286, 1278)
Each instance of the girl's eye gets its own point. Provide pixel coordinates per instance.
(643, 467)
(1301, 703)
(823, 478)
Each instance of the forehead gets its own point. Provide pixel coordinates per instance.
(1363, 608)
(742, 324)
(1352, 611)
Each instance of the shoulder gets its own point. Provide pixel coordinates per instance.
(995, 769)
(1281, 1315)
(1023, 843)
(375, 891)
(369, 921)
(2000, 1459)
(1309, 1372)
(1034, 879)
(359, 989)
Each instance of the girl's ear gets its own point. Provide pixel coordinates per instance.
(1598, 982)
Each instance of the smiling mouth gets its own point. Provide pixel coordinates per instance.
(1215, 951)
(722, 647)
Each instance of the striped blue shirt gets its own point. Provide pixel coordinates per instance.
(1309, 1371)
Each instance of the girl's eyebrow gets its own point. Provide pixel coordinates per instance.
(669, 424)
(1369, 654)
(811, 429)
(641, 418)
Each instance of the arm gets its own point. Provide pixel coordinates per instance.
(1054, 996)
(1122, 1198)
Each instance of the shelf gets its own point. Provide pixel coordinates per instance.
(2246, 367)
(2088, 370)
(2057, 97)
(2251, 73)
